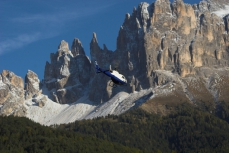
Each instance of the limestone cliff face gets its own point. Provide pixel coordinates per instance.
(174, 37)
(12, 94)
(77, 48)
(32, 84)
(68, 74)
(177, 50)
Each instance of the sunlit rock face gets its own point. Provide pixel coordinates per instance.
(175, 37)
(11, 94)
(163, 36)
(170, 53)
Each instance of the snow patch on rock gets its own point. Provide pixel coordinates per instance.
(222, 12)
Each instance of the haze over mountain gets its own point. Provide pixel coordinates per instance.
(170, 53)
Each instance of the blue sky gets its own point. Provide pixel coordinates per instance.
(32, 29)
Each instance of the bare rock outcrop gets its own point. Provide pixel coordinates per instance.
(68, 74)
(176, 37)
(40, 101)
(77, 48)
(32, 84)
(178, 50)
(12, 94)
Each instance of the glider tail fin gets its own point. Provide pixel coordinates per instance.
(98, 70)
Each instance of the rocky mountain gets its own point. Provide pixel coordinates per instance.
(170, 53)
(67, 77)
(12, 94)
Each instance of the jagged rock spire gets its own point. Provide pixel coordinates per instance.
(63, 46)
(67, 72)
(94, 47)
(32, 84)
(77, 48)
(94, 39)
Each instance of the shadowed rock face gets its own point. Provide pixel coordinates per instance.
(77, 47)
(68, 73)
(32, 84)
